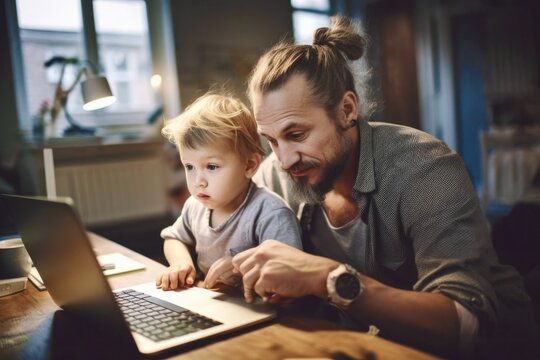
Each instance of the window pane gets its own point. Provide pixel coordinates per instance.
(305, 24)
(44, 15)
(124, 50)
(323, 5)
(46, 32)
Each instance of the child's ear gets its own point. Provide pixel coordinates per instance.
(252, 164)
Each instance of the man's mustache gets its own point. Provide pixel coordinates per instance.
(302, 165)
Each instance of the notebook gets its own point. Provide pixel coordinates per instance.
(111, 264)
(143, 316)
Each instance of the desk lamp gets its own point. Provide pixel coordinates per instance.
(95, 88)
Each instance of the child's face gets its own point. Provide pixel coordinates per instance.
(216, 176)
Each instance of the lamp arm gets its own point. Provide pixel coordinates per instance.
(58, 95)
(61, 95)
(60, 98)
(77, 79)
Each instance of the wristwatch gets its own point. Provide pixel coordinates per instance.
(343, 285)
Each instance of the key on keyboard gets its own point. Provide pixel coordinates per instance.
(158, 319)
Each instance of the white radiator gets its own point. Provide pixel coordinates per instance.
(107, 192)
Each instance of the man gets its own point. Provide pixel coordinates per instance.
(393, 228)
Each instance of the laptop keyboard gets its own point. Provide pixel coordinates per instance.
(158, 319)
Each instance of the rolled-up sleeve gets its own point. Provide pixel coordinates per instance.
(449, 235)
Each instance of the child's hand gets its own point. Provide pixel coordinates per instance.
(176, 276)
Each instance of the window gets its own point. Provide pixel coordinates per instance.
(42, 37)
(125, 52)
(308, 15)
(116, 43)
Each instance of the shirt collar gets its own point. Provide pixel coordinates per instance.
(365, 177)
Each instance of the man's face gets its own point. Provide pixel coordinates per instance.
(311, 146)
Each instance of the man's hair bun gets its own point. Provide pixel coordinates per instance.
(343, 36)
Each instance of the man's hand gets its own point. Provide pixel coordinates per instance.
(275, 271)
(222, 272)
(176, 276)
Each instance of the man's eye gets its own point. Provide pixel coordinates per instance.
(188, 167)
(212, 167)
(296, 136)
(272, 142)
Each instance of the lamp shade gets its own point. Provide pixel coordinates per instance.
(96, 93)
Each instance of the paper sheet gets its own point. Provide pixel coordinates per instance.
(122, 264)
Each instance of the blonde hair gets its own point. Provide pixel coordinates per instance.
(215, 118)
(325, 65)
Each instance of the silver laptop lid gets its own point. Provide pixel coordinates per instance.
(61, 251)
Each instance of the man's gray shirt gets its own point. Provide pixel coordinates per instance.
(425, 228)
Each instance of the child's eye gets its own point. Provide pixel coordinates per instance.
(212, 167)
(188, 167)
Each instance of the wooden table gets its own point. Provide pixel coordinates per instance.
(30, 324)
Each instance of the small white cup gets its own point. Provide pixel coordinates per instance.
(14, 259)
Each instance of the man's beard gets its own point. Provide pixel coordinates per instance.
(302, 191)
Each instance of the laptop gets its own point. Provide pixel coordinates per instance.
(144, 316)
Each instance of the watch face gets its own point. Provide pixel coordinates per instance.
(348, 286)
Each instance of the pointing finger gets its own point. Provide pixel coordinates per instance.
(239, 259)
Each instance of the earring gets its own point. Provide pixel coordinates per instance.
(353, 123)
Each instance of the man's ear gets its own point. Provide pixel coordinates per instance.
(252, 164)
(348, 108)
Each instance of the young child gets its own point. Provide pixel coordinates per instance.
(226, 212)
